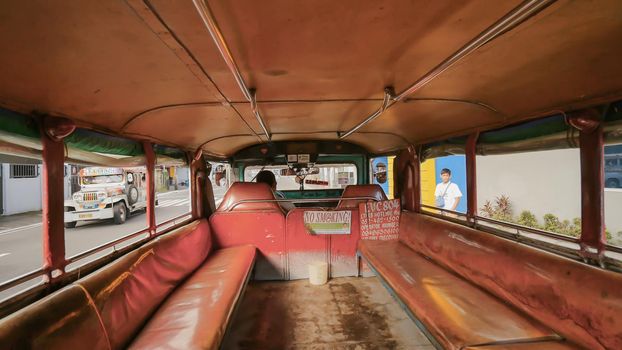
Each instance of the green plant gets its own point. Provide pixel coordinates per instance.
(527, 218)
(500, 210)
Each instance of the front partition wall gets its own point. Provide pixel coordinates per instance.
(305, 248)
(263, 229)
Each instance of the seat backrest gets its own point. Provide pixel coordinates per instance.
(580, 302)
(128, 291)
(66, 319)
(249, 196)
(354, 191)
(261, 224)
(108, 307)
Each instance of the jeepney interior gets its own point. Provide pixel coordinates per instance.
(251, 83)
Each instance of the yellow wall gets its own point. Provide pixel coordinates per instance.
(428, 181)
(390, 176)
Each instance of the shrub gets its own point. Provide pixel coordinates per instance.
(500, 210)
(527, 218)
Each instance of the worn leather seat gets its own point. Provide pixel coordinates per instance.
(196, 315)
(354, 191)
(455, 312)
(260, 222)
(108, 308)
(444, 262)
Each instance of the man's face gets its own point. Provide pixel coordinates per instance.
(445, 177)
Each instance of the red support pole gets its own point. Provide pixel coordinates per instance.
(151, 195)
(592, 179)
(53, 132)
(471, 176)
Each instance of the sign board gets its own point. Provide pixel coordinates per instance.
(328, 222)
(380, 220)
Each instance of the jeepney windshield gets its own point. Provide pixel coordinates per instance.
(329, 176)
(101, 179)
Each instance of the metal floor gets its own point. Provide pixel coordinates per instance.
(346, 313)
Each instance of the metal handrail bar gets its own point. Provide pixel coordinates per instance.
(302, 200)
(21, 279)
(443, 210)
(225, 52)
(172, 220)
(513, 18)
(528, 229)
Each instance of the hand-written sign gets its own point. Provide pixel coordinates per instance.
(328, 222)
(380, 220)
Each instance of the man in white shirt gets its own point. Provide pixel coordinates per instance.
(448, 191)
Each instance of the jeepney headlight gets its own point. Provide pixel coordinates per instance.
(101, 195)
(77, 197)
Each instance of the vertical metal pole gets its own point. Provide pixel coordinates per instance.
(151, 195)
(592, 189)
(53, 197)
(592, 180)
(53, 130)
(471, 176)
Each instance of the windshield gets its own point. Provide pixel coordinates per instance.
(330, 176)
(102, 179)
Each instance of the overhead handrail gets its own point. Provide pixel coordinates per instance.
(302, 200)
(219, 40)
(386, 102)
(513, 18)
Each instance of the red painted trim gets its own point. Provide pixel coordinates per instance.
(592, 179)
(53, 196)
(471, 175)
(151, 195)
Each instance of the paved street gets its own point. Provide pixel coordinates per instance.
(20, 235)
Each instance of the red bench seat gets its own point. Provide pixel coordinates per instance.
(455, 312)
(195, 316)
(191, 290)
(465, 287)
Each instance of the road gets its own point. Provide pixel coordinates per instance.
(21, 243)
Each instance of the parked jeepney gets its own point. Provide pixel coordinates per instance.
(106, 193)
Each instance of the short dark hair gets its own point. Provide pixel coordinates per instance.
(446, 171)
(267, 177)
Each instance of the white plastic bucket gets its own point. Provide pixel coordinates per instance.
(318, 273)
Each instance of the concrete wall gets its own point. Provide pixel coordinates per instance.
(542, 182)
(613, 212)
(20, 195)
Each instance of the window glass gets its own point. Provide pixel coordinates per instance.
(21, 248)
(172, 190)
(443, 183)
(103, 203)
(539, 189)
(327, 176)
(613, 193)
(381, 173)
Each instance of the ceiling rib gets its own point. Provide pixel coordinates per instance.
(513, 18)
(219, 40)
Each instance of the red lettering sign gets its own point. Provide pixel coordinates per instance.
(380, 220)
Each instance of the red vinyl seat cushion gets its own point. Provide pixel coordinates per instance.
(196, 314)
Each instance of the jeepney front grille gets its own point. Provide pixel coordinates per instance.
(89, 196)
